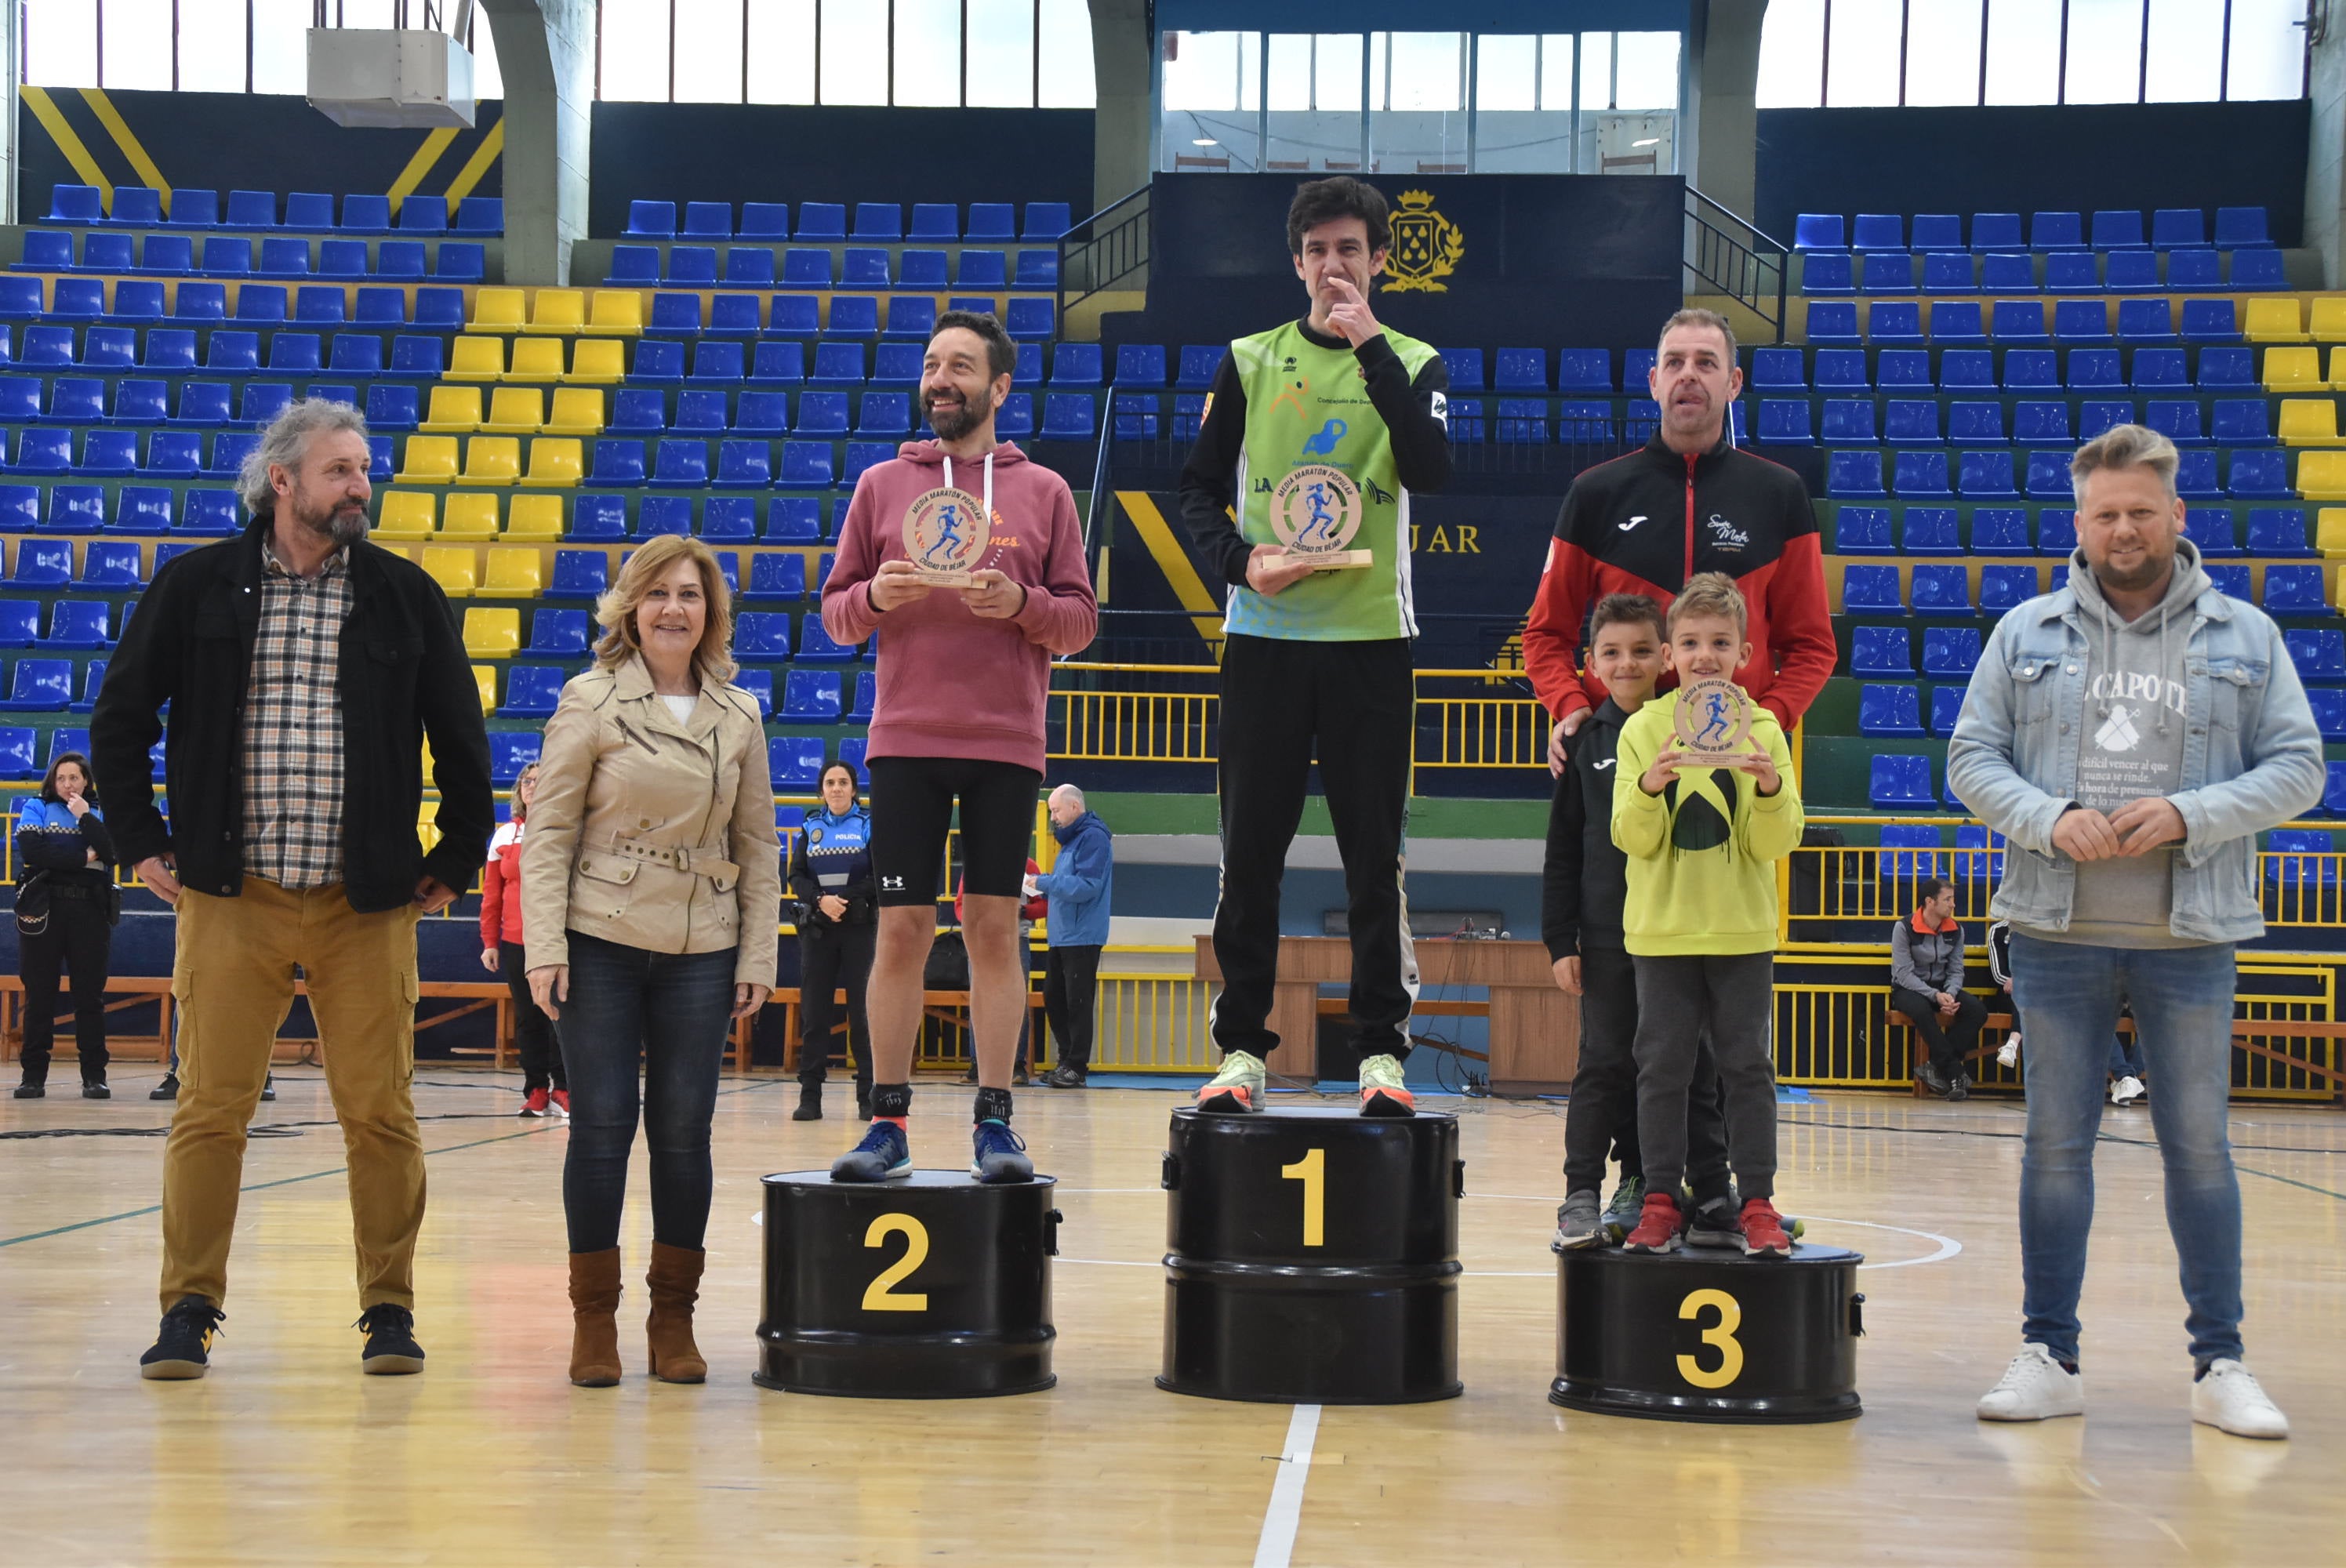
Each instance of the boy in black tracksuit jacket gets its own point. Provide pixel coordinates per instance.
(1583, 886)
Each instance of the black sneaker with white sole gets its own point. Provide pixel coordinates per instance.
(183, 1344)
(391, 1346)
(1716, 1222)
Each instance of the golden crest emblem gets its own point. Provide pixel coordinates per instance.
(1426, 246)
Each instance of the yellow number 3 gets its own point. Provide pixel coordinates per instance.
(1719, 1337)
(882, 1295)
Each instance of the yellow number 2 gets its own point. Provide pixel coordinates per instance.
(1311, 1170)
(1719, 1337)
(882, 1295)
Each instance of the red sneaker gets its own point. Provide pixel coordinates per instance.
(1763, 1231)
(562, 1103)
(534, 1105)
(1657, 1225)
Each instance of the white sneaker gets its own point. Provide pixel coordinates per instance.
(2036, 1388)
(2226, 1397)
(1238, 1087)
(2125, 1091)
(2008, 1053)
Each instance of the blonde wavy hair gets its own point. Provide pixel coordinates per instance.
(1712, 595)
(616, 610)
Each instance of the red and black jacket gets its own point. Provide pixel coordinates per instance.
(1645, 522)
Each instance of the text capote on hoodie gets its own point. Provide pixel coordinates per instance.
(951, 683)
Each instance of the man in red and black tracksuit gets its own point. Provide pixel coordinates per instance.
(1687, 503)
(1644, 524)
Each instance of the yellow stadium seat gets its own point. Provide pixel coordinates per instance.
(619, 312)
(555, 463)
(2330, 533)
(514, 574)
(2327, 320)
(515, 411)
(497, 310)
(492, 634)
(453, 411)
(484, 676)
(2321, 475)
(2337, 368)
(2272, 321)
(578, 411)
(536, 360)
(468, 515)
(406, 514)
(2292, 370)
(491, 460)
(562, 310)
(428, 460)
(599, 361)
(477, 360)
(2309, 421)
(533, 517)
(453, 567)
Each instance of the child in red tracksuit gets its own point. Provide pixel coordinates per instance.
(544, 1083)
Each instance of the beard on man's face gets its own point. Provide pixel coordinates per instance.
(953, 421)
(342, 520)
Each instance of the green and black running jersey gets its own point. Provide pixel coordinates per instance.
(1290, 399)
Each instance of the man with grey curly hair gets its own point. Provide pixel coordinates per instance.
(305, 670)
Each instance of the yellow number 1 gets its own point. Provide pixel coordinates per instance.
(1311, 1170)
(882, 1295)
(1719, 1337)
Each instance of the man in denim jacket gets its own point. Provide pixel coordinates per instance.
(2131, 733)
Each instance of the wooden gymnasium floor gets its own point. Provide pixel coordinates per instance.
(287, 1455)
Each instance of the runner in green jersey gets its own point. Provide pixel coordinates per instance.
(1316, 433)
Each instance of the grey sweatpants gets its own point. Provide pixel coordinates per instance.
(1732, 995)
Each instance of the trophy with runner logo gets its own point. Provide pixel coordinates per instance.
(1711, 718)
(1315, 511)
(946, 532)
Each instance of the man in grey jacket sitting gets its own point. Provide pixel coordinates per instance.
(1926, 984)
(2131, 733)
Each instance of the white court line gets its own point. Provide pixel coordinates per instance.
(1277, 1543)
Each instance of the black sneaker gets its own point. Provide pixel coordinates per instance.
(169, 1089)
(1933, 1080)
(1066, 1075)
(96, 1092)
(391, 1346)
(183, 1344)
(269, 1086)
(32, 1090)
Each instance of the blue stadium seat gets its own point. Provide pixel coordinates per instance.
(2056, 531)
(533, 690)
(76, 401)
(1855, 473)
(675, 316)
(912, 318)
(2209, 321)
(284, 257)
(166, 255)
(2004, 587)
(2048, 476)
(106, 253)
(77, 624)
(41, 564)
(20, 508)
(1637, 364)
(1841, 370)
(743, 464)
(658, 515)
(1891, 322)
(732, 519)
(1936, 232)
(1900, 783)
(982, 269)
(1819, 231)
(211, 513)
(1956, 321)
(1877, 231)
(510, 751)
(2092, 369)
(2242, 226)
(263, 401)
(2161, 370)
(294, 353)
(776, 575)
(885, 414)
(794, 520)
(1949, 272)
(1880, 651)
(140, 509)
(1849, 422)
(749, 267)
(1520, 369)
(1015, 421)
(2073, 272)
(2019, 321)
(678, 464)
(2031, 370)
(1032, 318)
(2231, 580)
(815, 646)
(812, 696)
(1772, 370)
(2178, 419)
(794, 761)
(734, 316)
(480, 215)
(1870, 590)
(1930, 530)
(795, 316)
(2132, 272)
(1902, 370)
(1968, 370)
(2056, 232)
(1828, 272)
(2258, 270)
(41, 686)
(1939, 589)
(838, 365)
(2004, 274)
(2035, 422)
(2294, 591)
(580, 573)
(2272, 531)
(1922, 473)
(634, 265)
(43, 451)
(778, 364)
(138, 400)
(77, 300)
(558, 633)
(651, 219)
(1946, 706)
(692, 266)
(173, 454)
(2241, 421)
(717, 359)
(2255, 474)
(617, 463)
(1862, 531)
(1911, 422)
(1583, 370)
(1784, 421)
(1889, 710)
(2081, 321)
(1047, 221)
(76, 508)
(2189, 272)
(17, 742)
(806, 466)
(2319, 655)
(708, 220)
(1142, 365)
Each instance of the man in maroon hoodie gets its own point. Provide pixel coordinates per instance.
(965, 677)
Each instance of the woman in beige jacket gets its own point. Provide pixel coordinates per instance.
(651, 892)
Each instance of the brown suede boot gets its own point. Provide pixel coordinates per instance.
(594, 1314)
(675, 1282)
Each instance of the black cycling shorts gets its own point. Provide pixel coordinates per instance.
(912, 807)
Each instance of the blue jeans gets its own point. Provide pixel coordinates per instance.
(2126, 1056)
(2068, 995)
(670, 1014)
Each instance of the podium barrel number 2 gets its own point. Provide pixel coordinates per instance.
(933, 1287)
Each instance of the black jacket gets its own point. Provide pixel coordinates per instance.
(1587, 877)
(403, 678)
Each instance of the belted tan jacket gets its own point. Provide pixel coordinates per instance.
(652, 832)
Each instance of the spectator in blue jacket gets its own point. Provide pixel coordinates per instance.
(1081, 886)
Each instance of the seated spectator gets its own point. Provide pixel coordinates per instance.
(1926, 984)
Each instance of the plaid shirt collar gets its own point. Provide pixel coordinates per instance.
(337, 565)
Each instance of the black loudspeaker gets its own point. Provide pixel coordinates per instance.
(1705, 1336)
(934, 1288)
(1312, 1257)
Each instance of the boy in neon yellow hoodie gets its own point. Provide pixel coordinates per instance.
(1703, 835)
